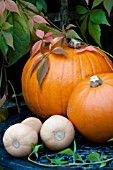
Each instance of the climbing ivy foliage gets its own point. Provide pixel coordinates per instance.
(92, 17)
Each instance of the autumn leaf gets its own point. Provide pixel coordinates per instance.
(42, 70)
(55, 40)
(48, 34)
(36, 62)
(30, 24)
(58, 50)
(70, 26)
(11, 6)
(40, 33)
(36, 47)
(87, 2)
(2, 7)
(39, 19)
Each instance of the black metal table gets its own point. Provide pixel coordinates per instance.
(8, 162)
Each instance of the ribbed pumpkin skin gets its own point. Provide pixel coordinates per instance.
(91, 109)
(64, 73)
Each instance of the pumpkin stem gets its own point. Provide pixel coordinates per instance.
(75, 44)
(95, 81)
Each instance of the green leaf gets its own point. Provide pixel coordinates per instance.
(43, 2)
(2, 20)
(67, 151)
(72, 34)
(21, 38)
(103, 165)
(108, 5)
(3, 114)
(83, 26)
(96, 3)
(3, 46)
(81, 10)
(39, 5)
(42, 70)
(98, 16)
(8, 38)
(6, 26)
(94, 32)
(57, 161)
(93, 157)
(36, 149)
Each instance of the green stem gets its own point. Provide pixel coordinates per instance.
(71, 164)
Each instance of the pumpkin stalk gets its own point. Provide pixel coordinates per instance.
(95, 81)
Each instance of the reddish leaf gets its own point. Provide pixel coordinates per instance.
(39, 19)
(42, 70)
(87, 48)
(48, 39)
(36, 62)
(11, 6)
(63, 29)
(2, 7)
(90, 48)
(2, 100)
(55, 40)
(36, 47)
(40, 33)
(58, 50)
(48, 34)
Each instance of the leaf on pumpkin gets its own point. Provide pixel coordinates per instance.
(55, 40)
(11, 6)
(36, 47)
(36, 62)
(2, 100)
(58, 50)
(2, 7)
(3, 114)
(39, 19)
(42, 70)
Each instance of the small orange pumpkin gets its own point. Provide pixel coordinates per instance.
(90, 107)
(65, 71)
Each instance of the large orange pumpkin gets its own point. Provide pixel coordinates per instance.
(65, 71)
(90, 107)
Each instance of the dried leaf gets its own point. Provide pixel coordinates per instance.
(87, 48)
(36, 62)
(40, 33)
(42, 70)
(39, 19)
(36, 47)
(11, 6)
(2, 7)
(58, 50)
(2, 100)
